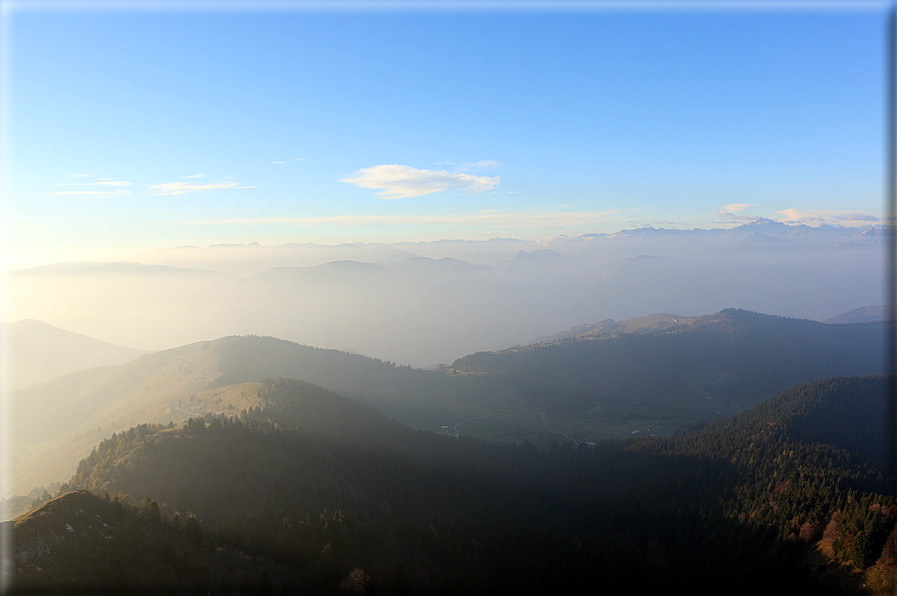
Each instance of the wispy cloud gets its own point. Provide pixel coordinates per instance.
(114, 193)
(491, 218)
(278, 162)
(727, 214)
(472, 165)
(727, 217)
(489, 163)
(822, 216)
(112, 183)
(402, 182)
(736, 207)
(192, 176)
(179, 188)
(861, 217)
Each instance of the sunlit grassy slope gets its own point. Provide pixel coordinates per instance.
(654, 382)
(610, 326)
(58, 423)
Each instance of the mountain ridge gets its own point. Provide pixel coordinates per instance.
(41, 352)
(755, 503)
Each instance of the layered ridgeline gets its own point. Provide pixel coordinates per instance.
(40, 352)
(653, 375)
(428, 302)
(700, 367)
(654, 381)
(332, 493)
(423, 303)
(57, 423)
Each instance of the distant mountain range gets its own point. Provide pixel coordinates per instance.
(40, 352)
(432, 302)
(864, 314)
(832, 235)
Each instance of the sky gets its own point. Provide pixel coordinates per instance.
(126, 129)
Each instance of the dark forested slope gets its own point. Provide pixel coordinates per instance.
(770, 499)
(789, 468)
(736, 356)
(82, 543)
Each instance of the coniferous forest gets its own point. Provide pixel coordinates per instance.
(313, 493)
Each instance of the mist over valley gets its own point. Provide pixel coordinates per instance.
(428, 303)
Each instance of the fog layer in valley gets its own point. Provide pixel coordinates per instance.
(423, 303)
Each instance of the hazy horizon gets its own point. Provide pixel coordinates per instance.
(429, 303)
(398, 124)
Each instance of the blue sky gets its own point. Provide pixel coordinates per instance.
(127, 130)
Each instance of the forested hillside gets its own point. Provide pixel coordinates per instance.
(327, 489)
(734, 356)
(59, 422)
(657, 382)
(253, 358)
(82, 543)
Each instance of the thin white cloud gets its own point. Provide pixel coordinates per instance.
(193, 176)
(861, 217)
(491, 218)
(179, 188)
(822, 216)
(112, 183)
(472, 165)
(278, 162)
(402, 182)
(488, 163)
(117, 193)
(736, 207)
(727, 217)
